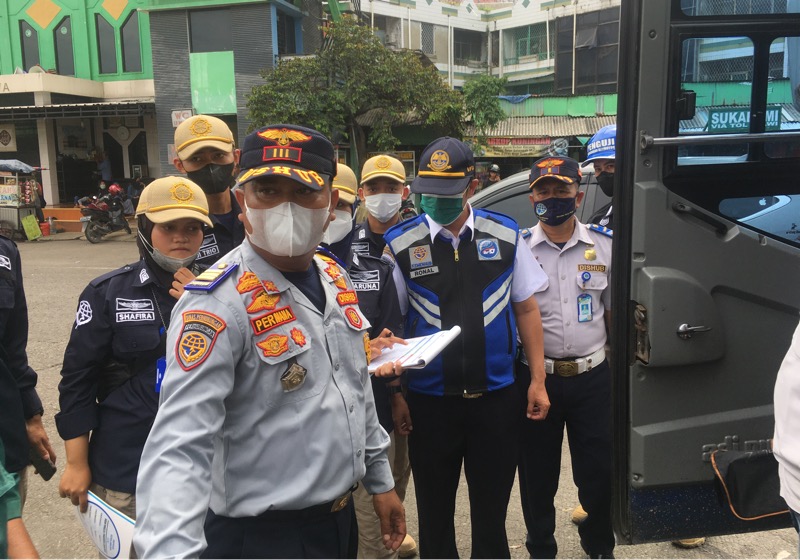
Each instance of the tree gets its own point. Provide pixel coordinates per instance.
(355, 75)
(482, 104)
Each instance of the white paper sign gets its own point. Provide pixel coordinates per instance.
(111, 531)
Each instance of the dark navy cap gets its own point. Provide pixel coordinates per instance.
(565, 169)
(446, 167)
(287, 150)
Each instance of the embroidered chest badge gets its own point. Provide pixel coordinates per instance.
(274, 345)
(262, 301)
(420, 257)
(353, 317)
(247, 283)
(298, 337)
(488, 249)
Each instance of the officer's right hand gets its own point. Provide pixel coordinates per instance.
(75, 484)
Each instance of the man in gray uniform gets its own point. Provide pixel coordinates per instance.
(267, 420)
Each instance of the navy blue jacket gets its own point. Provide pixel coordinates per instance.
(18, 397)
(377, 299)
(219, 240)
(108, 379)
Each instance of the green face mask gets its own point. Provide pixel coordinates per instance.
(443, 210)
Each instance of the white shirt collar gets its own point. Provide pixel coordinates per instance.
(580, 233)
(436, 227)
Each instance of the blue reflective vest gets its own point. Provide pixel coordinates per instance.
(469, 287)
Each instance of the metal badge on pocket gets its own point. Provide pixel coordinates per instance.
(294, 377)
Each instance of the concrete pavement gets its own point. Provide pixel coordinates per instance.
(56, 270)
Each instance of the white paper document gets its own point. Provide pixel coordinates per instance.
(111, 531)
(418, 352)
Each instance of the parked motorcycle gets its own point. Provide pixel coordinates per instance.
(104, 215)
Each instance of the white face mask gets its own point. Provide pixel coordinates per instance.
(288, 229)
(338, 228)
(383, 207)
(170, 264)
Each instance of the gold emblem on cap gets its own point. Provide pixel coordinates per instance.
(200, 127)
(181, 193)
(440, 160)
(284, 136)
(550, 162)
(383, 163)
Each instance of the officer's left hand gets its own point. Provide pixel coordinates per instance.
(182, 277)
(38, 440)
(393, 518)
(538, 401)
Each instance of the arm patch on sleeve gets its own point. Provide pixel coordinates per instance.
(198, 335)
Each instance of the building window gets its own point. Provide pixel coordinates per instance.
(210, 31)
(426, 38)
(287, 44)
(65, 59)
(30, 45)
(467, 46)
(106, 46)
(131, 51)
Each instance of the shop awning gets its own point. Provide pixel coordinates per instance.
(553, 127)
(128, 108)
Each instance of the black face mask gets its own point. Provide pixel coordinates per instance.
(213, 178)
(606, 183)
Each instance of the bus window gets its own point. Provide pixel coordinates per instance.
(738, 7)
(783, 96)
(719, 70)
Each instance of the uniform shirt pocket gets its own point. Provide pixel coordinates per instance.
(288, 375)
(132, 341)
(594, 285)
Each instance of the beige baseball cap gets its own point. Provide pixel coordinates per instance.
(202, 131)
(345, 182)
(383, 166)
(172, 198)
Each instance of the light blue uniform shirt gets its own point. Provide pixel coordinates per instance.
(227, 434)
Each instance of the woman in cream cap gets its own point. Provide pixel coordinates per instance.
(113, 364)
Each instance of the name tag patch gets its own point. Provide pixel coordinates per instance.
(209, 248)
(420, 257)
(199, 333)
(592, 267)
(488, 249)
(361, 248)
(425, 271)
(271, 320)
(366, 280)
(135, 310)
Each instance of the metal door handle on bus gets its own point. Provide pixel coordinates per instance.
(686, 331)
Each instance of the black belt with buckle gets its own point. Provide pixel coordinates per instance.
(471, 395)
(313, 511)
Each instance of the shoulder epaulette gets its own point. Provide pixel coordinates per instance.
(525, 233)
(386, 261)
(211, 277)
(108, 275)
(603, 230)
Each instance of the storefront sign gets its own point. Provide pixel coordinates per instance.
(180, 115)
(515, 147)
(8, 138)
(738, 120)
